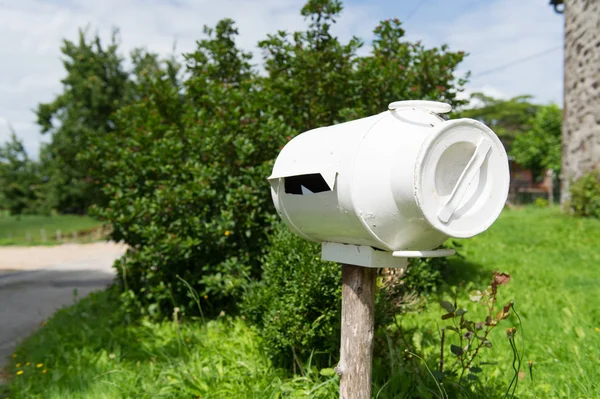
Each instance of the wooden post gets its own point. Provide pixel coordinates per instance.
(358, 329)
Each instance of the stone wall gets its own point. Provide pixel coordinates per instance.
(581, 126)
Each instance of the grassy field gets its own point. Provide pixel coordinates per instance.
(91, 351)
(30, 229)
(554, 261)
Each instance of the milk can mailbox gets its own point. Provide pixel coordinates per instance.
(377, 190)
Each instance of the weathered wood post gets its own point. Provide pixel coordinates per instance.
(358, 329)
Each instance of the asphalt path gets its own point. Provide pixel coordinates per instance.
(37, 281)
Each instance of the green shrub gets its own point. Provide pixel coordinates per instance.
(185, 178)
(297, 304)
(541, 202)
(585, 195)
(424, 275)
(403, 290)
(184, 170)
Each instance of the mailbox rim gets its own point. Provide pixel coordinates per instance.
(423, 161)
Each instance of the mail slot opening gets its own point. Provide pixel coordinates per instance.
(306, 184)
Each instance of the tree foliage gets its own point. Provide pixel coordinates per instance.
(175, 155)
(297, 304)
(531, 133)
(184, 169)
(94, 88)
(507, 118)
(184, 174)
(20, 179)
(540, 147)
(585, 195)
(315, 80)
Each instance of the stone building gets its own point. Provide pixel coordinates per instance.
(581, 122)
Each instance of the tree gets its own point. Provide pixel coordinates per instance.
(94, 88)
(20, 179)
(184, 174)
(539, 148)
(314, 80)
(507, 118)
(311, 75)
(184, 169)
(400, 70)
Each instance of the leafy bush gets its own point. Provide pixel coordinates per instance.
(20, 180)
(424, 275)
(95, 86)
(585, 195)
(185, 179)
(184, 170)
(297, 304)
(539, 147)
(541, 202)
(402, 290)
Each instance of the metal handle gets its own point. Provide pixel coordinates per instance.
(464, 181)
(437, 107)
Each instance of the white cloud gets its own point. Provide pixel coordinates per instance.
(31, 33)
(487, 90)
(501, 32)
(494, 33)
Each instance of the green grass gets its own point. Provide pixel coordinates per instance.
(91, 351)
(27, 229)
(554, 261)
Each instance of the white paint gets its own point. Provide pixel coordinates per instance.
(433, 106)
(465, 181)
(436, 253)
(403, 180)
(359, 255)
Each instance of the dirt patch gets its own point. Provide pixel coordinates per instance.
(31, 258)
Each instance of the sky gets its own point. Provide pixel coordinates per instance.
(514, 46)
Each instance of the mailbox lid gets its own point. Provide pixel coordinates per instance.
(461, 178)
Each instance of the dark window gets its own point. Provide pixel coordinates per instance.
(313, 183)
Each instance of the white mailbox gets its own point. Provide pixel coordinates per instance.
(394, 184)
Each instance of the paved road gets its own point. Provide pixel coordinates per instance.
(37, 281)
